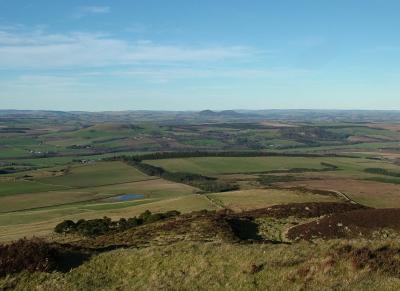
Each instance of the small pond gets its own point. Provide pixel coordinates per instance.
(127, 197)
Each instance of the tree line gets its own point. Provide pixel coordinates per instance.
(99, 226)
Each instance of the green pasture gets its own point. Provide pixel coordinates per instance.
(13, 187)
(227, 165)
(96, 174)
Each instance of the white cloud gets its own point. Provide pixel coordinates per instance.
(43, 82)
(36, 49)
(168, 74)
(89, 10)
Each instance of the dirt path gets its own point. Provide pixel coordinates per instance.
(343, 195)
(214, 202)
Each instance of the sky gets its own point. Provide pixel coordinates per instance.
(194, 55)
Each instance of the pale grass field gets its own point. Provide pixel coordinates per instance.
(260, 198)
(154, 188)
(42, 223)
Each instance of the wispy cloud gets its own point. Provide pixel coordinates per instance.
(382, 49)
(170, 74)
(90, 10)
(43, 81)
(37, 49)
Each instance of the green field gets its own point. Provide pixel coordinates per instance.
(23, 186)
(230, 165)
(96, 174)
(83, 191)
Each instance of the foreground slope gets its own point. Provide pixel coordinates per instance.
(213, 251)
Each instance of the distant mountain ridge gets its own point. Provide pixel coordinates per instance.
(226, 113)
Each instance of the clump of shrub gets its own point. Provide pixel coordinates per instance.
(214, 186)
(99, 226)
(31, 255)
(381, 171)
(270, 179)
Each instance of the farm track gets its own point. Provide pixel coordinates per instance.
(331, 191)
(101, 185)
(345, 196)
(213, 202)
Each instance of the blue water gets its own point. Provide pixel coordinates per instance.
(127, 197)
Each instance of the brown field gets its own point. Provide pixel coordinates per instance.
(276, 124)
(357, 138)
(368, 193)
(388, 126)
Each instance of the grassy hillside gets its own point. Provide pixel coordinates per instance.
(213, 266)
(206, 251)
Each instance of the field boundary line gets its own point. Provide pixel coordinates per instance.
(345, 196)
(213, 202)
(85, 187)
(69, 203)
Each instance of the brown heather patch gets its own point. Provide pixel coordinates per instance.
(384, 259)
(302, 210)
(350, 224)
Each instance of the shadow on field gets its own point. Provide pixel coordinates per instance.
(69, 257)
(67, 260)
(245, 229)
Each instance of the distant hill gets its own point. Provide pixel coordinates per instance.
(230, 113)
(207, 113)
(223, 113)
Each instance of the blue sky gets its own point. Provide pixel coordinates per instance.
(192, 55)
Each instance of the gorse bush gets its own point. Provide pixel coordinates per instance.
(381, 171)
(193, 154)
(31, 255)
(99, 226)
(270, 179)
